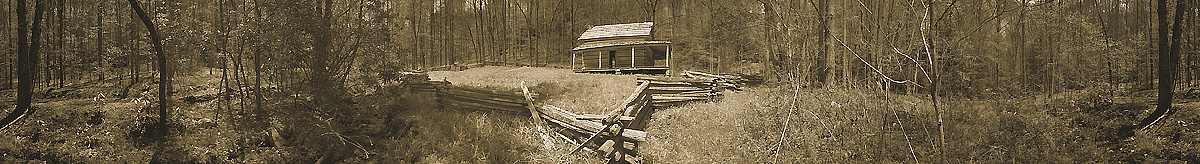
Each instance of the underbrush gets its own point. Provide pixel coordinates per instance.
(396, 125)
(827, 126)
(389, 125)
(432, 134)
(842, 125)
(91, 123)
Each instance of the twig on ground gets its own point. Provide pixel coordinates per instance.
(906, 141)
(783, 133)
(827, 128)
(366, 154)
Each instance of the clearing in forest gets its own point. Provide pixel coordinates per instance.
(838, 124)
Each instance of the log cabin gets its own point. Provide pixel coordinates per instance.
(621, 49)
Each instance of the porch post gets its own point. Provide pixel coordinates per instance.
(601, 59)
(632, 57)
(668, 59)
(572, 60)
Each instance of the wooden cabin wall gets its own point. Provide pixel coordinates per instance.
(589, 60)
(644, 57)
(594, 59)
(623, 59)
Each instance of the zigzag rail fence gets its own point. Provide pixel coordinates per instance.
(614, 135)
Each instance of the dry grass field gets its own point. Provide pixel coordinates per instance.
(857, 126)
(839, 125)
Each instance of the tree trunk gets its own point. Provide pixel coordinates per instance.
(933, 84)
(132, 54)
(768, 35)
(58, 63)
(1168, 60)
(258, 96)
(100, 42)
(27, 63)
(223, 55)
(165, 72)
(322, 36)
(8, 69)
(43, 69)
(1021, 51)
(8, 76)
(822, 69)
(415, 26)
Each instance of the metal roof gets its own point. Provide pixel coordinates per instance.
(612, 44)
(618, 30)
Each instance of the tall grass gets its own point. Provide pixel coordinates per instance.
(850, 125)
(841, 125)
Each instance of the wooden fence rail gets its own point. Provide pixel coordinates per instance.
(616, 133)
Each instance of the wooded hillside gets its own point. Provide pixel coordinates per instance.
(980, 46)
(310, 61)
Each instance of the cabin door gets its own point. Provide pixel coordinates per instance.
(612, 55)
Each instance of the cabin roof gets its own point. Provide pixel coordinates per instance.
(613, 44)
(618, 30)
